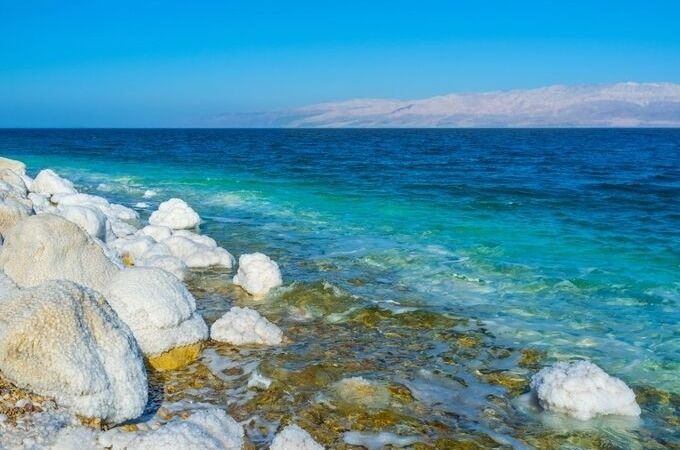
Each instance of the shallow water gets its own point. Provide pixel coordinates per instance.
(446, 265)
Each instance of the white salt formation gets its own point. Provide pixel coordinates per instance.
(240, 326)
(175, 214)
(48, 182)
(48, 247)
(294, 438)
(158, 232)
(198, 251)
(159, 310)
(257, 274)
(64, 341)
(89, 219)
(582, 390)
(13, 165)
(204, 429)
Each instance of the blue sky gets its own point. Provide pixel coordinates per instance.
(172, 63)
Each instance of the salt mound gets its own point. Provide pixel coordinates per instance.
(89, 219)
(64, 341)
(157, 307)
(204, 429)
(168, 263)
(294, 438)
(14, 165)
(48, 182)
(12, 211)
(14, 180)
(241, 326)
(198, 251)
(49, 247)
(582, 390)
(41, 203)
(132, 247)
(257, 274)
(175, 214)
(157, 232)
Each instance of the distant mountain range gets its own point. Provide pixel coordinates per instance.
(610, 105)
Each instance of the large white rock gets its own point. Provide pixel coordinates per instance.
(175, 214)
(198, 251)
(41, 203)
(582, 390)
(257, 274)
(294, 438)
(14, 180)
(89, 219)
(63, 341)
(158, 232)
(168, 263)
(12, 211)
(159, 310)
(133, 246)
(204, 429)
(241, 326)
(48, 182)
(117, 215)
(12, 164)
(49, 247)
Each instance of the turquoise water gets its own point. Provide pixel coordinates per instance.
(567, 241)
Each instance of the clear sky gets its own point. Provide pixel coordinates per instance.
(176, 63)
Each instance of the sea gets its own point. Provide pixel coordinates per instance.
(446, 265)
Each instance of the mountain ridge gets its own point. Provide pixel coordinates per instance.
(626, 104)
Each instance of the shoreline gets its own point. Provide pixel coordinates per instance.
(399, 394)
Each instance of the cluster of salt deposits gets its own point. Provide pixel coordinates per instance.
(88, 294)
(582, 390)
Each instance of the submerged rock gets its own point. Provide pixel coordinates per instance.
(582, 390)
(241, 326)
(157, 307)
(363, 392)
(48, 182)
(175, 214)
(49, 247)
(257, 274)
(294, 438)
(64, 341)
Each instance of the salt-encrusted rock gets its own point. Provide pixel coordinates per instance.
(196, 252)
(41, 203)
(168, 263)
(157, 307)
(89, 219)
(7, 286)
(63, 341)
(149, 193)
(14, 180)
(204, 429)
(12, 211)
(175, 214)
(49, 247)
(241, 326)
(157, 232)
(132, 247)
(48, 182)
(259, 381)
(257, 274)
(294, 438)
(582, 390)
(14, 165)
(117, 215)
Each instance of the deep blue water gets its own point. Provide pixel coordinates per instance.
(564, 239)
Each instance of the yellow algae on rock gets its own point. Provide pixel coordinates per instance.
(176, 358)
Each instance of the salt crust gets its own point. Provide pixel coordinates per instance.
(241, 326)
